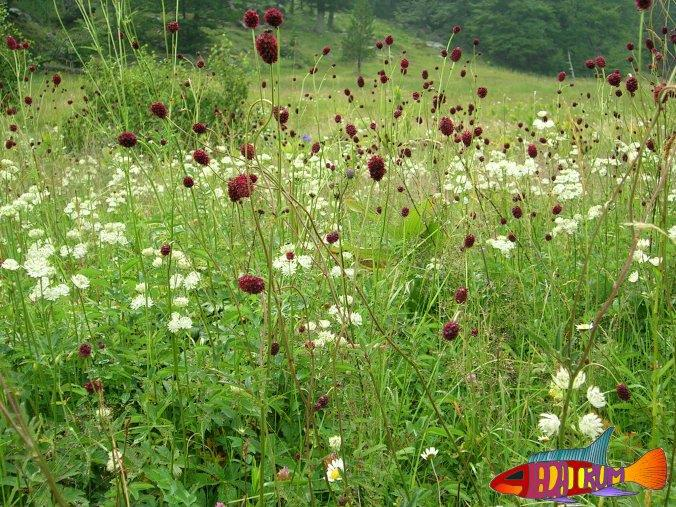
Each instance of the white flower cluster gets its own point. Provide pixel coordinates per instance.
(503, 244)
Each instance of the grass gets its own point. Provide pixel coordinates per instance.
(138, 367)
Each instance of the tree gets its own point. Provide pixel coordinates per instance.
(358, 40)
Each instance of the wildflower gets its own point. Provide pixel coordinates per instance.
(482, 91)
(565, 225)
(127, 139)
(283, 474)
(11, 43)
(173, 26)
(590, 425)
(248, 151)
(192, 280)
(273, 17)
(241, 186)
(201, 157)
(600, 62)
(404, 211)
(532, 151)
(250, 19)
(376, 166)
(561, 77)
(93, 386)
(557, 209)
(631, 84)
(114, 461)
(517, 212)
(9, 265)
(56, 79)
(429, 453)
(335, 470)
(623, 392)
(321, 403)
(644, 5)
(332, 237)
(84, 350)
(188, 182)
(549, 424)
(456, 54)
(251, 284)
(633, 277)
(179, 322)
(596, 397)
(461, 295)
(159, 109)
(503, 244)
(199, 128)
(80, 281)
(266, 45)
(469, 241)
(562, 379)
(165, 249)
(451, 330)
(140, 301)
(446, 126)
(614, 78)
(335, 442)
(389, 40)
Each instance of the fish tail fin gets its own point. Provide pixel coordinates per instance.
(649, 471)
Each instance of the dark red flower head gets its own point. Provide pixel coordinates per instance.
(517, 212)
(159, 109)
(379, 44)
(281, 115)
(165, 249)
(326, 50)
(456, 53)
(632, 84)
(250, 19)
(469, 241)
(94, 386)
(482, 92)
(127, 139)
(56, 79)
(84, 350)
(350, 130)
(644, 5)
(561, 77)
(557, 209)
(466, 138)
(456, 29)
(201, 157)
(451, 330)
(188, 182)
(532, 151)
(590, 64)
(332, 237)
(273, 17)
(322, 402)
(173, 26)
(623, 392)
(248, 151)
(461, 295)
(389, 40)
(614, 78)
(12, 43)
(376, 166)
(404, 63)
(360, 82)
(251, 284)
(199, 128)
(241, 186)
(266, 45)
(600, 62)
(446, 126)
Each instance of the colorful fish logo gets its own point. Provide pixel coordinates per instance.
(555, 476)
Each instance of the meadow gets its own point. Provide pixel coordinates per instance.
(381, 286)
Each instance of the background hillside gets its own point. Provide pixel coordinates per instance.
(540, 36)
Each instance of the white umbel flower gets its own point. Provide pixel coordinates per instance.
(549, 424)
(596, 397)
(80, 281)
(590, 425)
(10, 265)
(179, 322)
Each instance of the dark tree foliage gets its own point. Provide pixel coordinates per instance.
(537, 36)
(358, 40)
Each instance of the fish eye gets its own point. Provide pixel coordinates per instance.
(515, 476)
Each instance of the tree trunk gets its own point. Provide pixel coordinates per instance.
(332, 11)
(321, 8)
